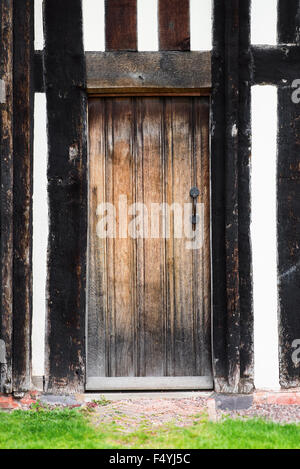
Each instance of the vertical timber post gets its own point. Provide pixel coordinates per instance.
(244, 201)
(23, 97)
(288, 189)
(67, 187)
(6, 202)
(230, 169)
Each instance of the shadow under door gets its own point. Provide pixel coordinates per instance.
(148, 292)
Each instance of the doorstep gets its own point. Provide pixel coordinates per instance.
(121, 396)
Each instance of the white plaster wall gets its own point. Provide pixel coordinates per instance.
(264, 121)
(40, 235)
(263, 235)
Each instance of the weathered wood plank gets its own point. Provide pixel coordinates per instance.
(180, 178)
(288, 208)
(97, 248)
(67, 188)
(174, 24)
(232, 297)
(23, 167)
(120, 181)
(150, 255)
(202, 258)
(121, 25)
(142, 71)
(6, 201)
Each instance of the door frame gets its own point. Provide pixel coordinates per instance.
(114, 74)
(149, 383)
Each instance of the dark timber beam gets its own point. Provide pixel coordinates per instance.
(67, 187)
(23, 94)
(230, 167)
(288, 189)
(275, 65)
(6, 200)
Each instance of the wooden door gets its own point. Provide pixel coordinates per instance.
(148, 292)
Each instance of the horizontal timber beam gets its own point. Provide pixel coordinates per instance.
(147, 71)
(275, 65)
(175, 72)
(143, 72)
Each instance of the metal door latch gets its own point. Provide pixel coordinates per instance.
(194, 193)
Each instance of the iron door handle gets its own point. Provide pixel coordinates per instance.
(194, 193)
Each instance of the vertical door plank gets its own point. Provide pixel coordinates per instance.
(6, 201)
(184, 338)
(121, 275)
(97, 274)
(121, 25)
(170, 272)
(174, 24)
(23, 168)
(67, 188)
(201, 257)
(150, 263)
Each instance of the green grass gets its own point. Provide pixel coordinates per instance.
(59, 429)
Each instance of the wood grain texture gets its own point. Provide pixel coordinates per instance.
(148, 298)
(148, 71)
(6, 201)
(121, 25)
(67, 188)
(174, 24)
(23, 187)
(150, 258)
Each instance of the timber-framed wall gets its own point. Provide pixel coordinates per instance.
(60, 70)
